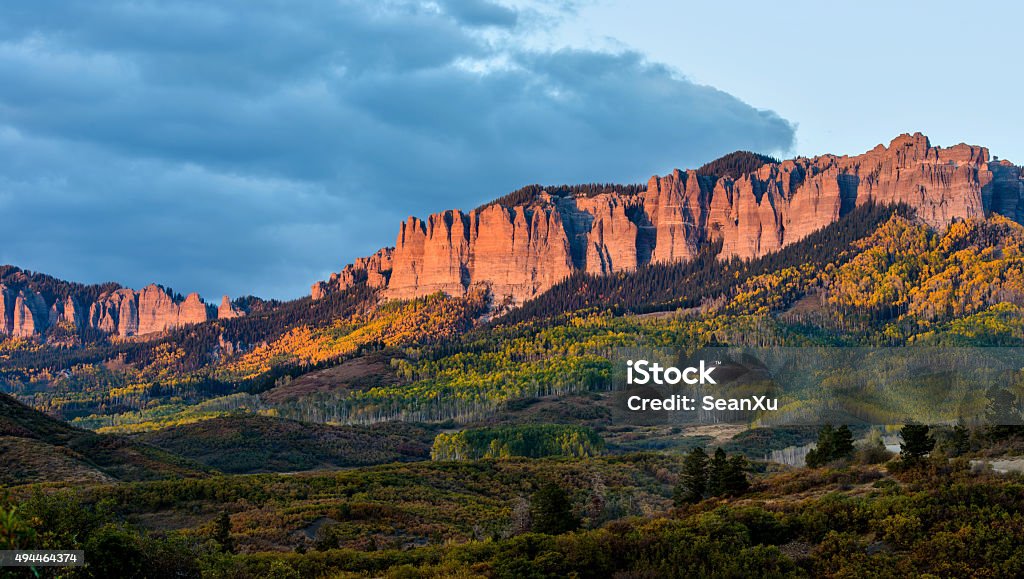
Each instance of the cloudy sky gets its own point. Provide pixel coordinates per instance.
(254, 146)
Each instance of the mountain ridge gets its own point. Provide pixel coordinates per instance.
(524, 243)
(522, 250)
(32, 304)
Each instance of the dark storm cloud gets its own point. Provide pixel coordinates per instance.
(250, 147)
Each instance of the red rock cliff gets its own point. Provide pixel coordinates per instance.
(27, 313)
(522, 250)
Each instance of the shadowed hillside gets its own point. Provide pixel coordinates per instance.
(37, 448)
(249, 444)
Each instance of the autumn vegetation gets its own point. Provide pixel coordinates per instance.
(234, 449)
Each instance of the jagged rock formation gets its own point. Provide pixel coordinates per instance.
(159, 312)
(520, 251)
(23, 312)
(29, 308)
(126, 312)
(228, 310)
(375, 271)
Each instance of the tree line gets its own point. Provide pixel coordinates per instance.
(665, 287)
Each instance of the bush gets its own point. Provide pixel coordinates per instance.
(872, 453)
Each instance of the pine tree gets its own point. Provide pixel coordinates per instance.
(551, 511)
(716, 473)
(824, 449)
(960, 442)
(842, 443)
(735, 480)
(693, 482)
(222, 533)
(917, 442)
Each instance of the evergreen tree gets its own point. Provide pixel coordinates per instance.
(842, 443)
(917, 442)
(717, 473)
(960, 441)
(1003, 414)
(222, 533)
(551, 511)
(735, 480)
(693, 482)
(824, 449)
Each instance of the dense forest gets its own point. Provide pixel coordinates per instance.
(735, 165)
(666, 287)
(528, 194)
(533, 441)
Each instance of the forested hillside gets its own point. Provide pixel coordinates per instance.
(876, 277)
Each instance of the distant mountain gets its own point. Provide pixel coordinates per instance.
(34, 304)
(37, 448)
(750, 204)
(526, 242)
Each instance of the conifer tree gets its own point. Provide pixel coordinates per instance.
(842, 443)
(222, 533)
(735, 480)
(551, 511)
(917, 442)
(693, 482)
(822, 452)
(717, 470)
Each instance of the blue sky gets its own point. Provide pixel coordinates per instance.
(849, 75)
(254, 146)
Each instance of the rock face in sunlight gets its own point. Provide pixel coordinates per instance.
(522, 249)
(126, 312)
(518, 250)
(374, 271)
(31, 304)
(228, 310)
(159, 312)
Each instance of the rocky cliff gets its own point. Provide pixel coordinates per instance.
(32, 304)
(375, 271)
(521, 250)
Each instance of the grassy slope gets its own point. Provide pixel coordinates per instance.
(37, 448)
(250, 444)
(391, 506)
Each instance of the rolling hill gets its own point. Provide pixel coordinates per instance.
(35, 448)
(241, 443)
